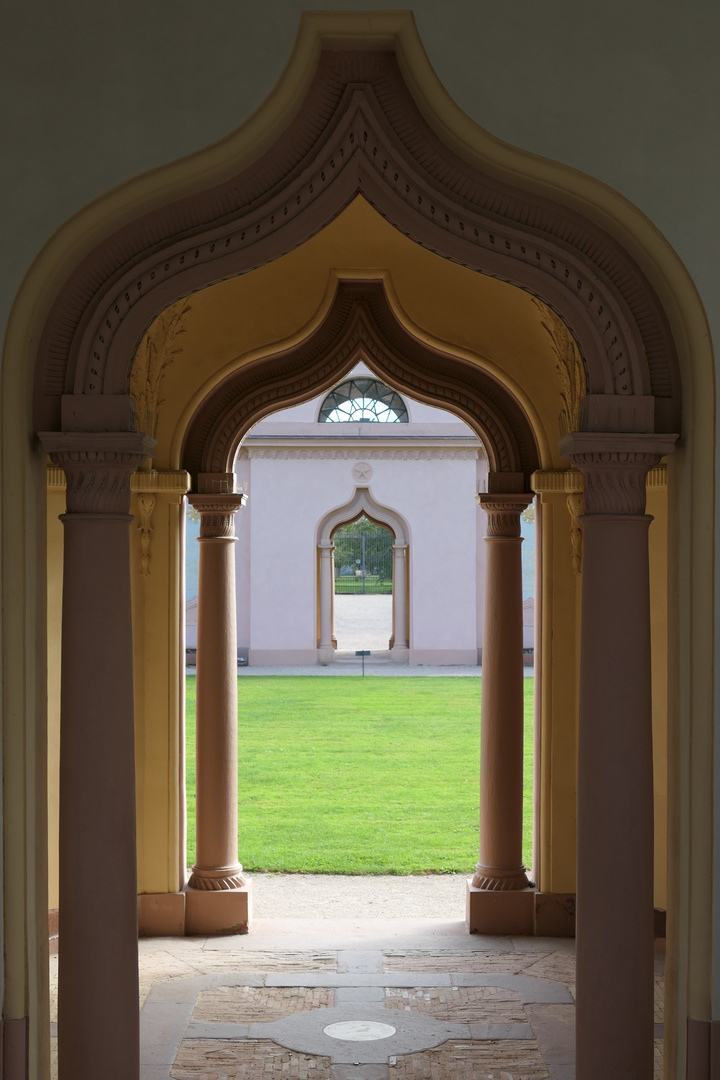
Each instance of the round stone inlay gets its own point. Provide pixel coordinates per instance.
(359, 1030)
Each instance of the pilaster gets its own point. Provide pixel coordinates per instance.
(98, 981)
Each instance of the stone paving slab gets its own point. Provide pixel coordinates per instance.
(507, 962)
(339, 979)
(358, 962)
(253, 960)
(161, 1029)
(186, 991)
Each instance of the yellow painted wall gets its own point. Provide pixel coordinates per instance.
(159, 666)
(55, 507)
(657, 505)
(560, 659)
(235, 321)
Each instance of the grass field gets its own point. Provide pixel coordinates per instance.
(358, 776)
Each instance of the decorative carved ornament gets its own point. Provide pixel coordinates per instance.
(615, 468)
(359, 131)
(98, 467)
(503, 513)
(217, 514)
(230, 877)
(499, 880)
(575, 509)
(146, 505)
(569, 367)
(160, 481)
(157, 351)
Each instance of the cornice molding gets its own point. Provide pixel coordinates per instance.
(361, 454)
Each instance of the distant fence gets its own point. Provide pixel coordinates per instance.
(363, 559)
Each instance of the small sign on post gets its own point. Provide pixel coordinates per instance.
(363, 653)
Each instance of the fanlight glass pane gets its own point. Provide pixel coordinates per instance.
(363, 401)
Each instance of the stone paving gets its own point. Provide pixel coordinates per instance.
(437, 1002)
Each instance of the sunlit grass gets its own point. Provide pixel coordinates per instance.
(359, 776)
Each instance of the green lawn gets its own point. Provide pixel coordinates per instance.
(358, 776)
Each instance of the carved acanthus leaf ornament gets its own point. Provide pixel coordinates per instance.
(575, 507)
(156, 352)
(569, 367)
(146, 505)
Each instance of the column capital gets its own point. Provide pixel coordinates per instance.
(217, 513)
(503, 512)
(326, 546)
(614, 466)
(97, 467)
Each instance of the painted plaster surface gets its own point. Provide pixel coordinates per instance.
(296, 470)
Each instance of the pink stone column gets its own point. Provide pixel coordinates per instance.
(216, 868)
(615, 776)
(500, 866)
(400, 644)
(98, 971)
(326, 650)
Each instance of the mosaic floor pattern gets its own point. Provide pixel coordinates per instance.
(457, 1007)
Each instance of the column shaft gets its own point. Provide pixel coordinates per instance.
(615, 804)
(98, 1023)
(216, 865)
(400, 645)
(500, 864)
(327, 585)
(615, 774)
(98, 970)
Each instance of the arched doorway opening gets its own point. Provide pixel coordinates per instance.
(624, 370)
(361, 505)
(363, 588)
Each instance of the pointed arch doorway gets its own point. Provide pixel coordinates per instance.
(622, 427)
(363, 503)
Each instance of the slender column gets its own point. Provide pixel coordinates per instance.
(615, 777)
(400, 647)
(327, 585)
(216, 866)
(500, 866)
(98, 972)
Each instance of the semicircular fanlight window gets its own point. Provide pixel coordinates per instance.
(363, 400)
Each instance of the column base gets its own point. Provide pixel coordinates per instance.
(400, 654)
(161, 914)
(221, 911)
(325, 655)
(521, 911)
(500, 912)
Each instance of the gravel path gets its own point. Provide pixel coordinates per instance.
(325, 896)
(363, 622)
